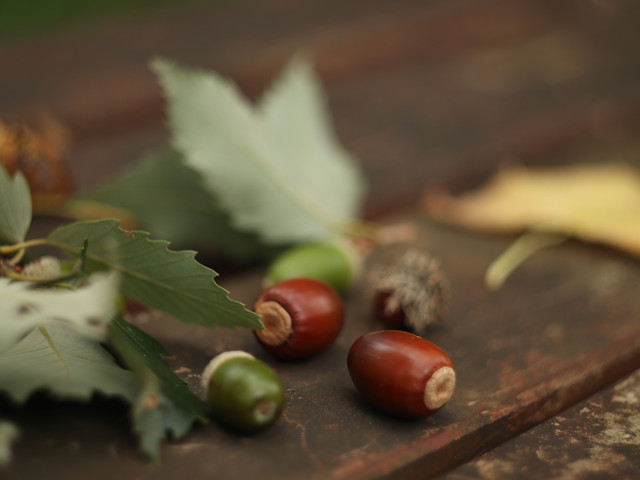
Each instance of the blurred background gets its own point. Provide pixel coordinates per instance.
(424, 94)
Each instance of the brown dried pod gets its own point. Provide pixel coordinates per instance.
(410, 291)
(37, 149)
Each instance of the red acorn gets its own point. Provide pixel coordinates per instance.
(401, 373)
(302, 317)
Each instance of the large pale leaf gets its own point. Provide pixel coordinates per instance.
(593, 202)
(173, 282)
(87, 310)
(167, 197)
(166, 405)
(15, 207)
(276, 169)
(66, 364)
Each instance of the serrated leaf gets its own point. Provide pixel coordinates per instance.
(87, 310)
(167, 198)
(173, 282)
(64, 363)
(15, 207)
(165, 405)
(276, 169)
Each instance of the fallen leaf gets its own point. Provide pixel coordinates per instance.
(597, 203)
(276, 168)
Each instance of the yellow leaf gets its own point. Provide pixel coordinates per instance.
(593, 202)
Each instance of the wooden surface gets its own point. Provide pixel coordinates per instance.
(424, 94)
(596, 438)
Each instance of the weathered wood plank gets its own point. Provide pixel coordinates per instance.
(598, 437)
(564, 326)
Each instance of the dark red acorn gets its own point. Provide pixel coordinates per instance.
(391, 317)
(302, 317)
(401, 373)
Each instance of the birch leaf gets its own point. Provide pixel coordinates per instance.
(597, 203)
(173, 282)
(87, 310)
(15, 207)
(277, 168)
(64, 363)
(165, 405)
(167, 197)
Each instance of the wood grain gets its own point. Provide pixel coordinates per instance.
(597, 437)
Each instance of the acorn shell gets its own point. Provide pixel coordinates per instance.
(401, 373)
(335, 263)
(244, 393)
(302, 317)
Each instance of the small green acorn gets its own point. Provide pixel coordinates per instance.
(336, 263)
(244, 393)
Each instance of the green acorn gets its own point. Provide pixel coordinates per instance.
(244, 393)
(336, 263)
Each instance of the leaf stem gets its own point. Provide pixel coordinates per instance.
(525, 246)
(17, 257)
(7, 249)
(357, 228)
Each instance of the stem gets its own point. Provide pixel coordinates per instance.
(75, 209)
(17, 257)
(357, 228)
(525, 246)
(7, 249)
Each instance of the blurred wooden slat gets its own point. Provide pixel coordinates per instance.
(422, 92)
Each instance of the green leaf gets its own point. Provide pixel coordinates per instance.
(66, 364)
(173, 282)
(15, 207)
(167, 197)
(175, 409)
(9, 433)
(87, 310)
(277, 169)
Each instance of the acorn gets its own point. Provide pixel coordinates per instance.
(401, 373)
(410, 291)
(302, 317)
(244, 393)
(336, 263)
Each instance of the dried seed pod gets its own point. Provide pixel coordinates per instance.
(37, 149)
(410, 292)
(43, 268)
(302, 317)
(401, 373)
